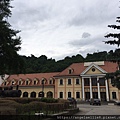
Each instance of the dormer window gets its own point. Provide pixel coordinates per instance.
(19, 82)
(50, 82)
(43, 82)
(70, 71)
(35, 82)
(5, 83)
(27, 82)
(13, 82)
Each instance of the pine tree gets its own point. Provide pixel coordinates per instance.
(10, 60)
(115, 55)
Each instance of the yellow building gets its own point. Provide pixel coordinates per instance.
(80, 80)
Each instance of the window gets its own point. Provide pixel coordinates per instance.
(61, 81)
(13, 83)
(70, 71)
(69, 94)
(50, 82)
(94, 81)
(42, 82)
(114, 95)
(26, 82)
(77, 94)
(61, 95)
(77, 81)
(69, 81)
(102, 81)
(93, 69)
(19, 82)
(34, 82)
(86, 82)
(5, 83)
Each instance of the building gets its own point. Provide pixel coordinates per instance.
(80, 80)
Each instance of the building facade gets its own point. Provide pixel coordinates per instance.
(80, 80)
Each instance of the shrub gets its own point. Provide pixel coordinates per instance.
(49, 100)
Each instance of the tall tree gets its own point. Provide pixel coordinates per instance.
(10, 61)
(116, 54)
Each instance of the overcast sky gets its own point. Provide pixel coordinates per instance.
(60, 28)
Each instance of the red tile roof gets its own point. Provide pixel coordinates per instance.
(32, 76)
(78, 68)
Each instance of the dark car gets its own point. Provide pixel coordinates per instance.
(72, 100)
(95, 102)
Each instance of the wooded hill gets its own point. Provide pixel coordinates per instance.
(43, 64)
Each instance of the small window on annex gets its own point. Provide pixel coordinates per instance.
(114, 95)
(61, 81)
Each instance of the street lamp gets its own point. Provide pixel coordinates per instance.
(42, 88)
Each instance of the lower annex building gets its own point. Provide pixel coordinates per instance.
(80, 80)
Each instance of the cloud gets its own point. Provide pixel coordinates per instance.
(58, 28)
(85, 35)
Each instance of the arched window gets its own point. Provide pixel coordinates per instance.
(41, 94)
(25, 94)
(33, 94)
(49, 94)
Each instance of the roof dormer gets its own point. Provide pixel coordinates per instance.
(70, 70)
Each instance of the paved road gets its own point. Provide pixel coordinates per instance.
(86, 109)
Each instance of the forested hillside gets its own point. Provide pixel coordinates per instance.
(43, 64)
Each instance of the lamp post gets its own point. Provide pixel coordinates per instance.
(42, 88)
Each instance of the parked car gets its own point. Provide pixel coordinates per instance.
(117, 103)
(72, 100)
(95, 102)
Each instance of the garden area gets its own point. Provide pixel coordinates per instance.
(33, 106)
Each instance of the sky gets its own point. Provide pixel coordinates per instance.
(60, 28)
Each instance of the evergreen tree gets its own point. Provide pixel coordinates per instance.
(10, 61)
(115, 56)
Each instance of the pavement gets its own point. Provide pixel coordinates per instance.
(86, 109)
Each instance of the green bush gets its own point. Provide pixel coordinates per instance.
(49, 100)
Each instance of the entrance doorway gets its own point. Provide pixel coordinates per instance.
(103, 96)
(95, 95)
(87, 95)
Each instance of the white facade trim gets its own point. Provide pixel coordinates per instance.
(93, 65)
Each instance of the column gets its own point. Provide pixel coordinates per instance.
(83, 91)
(29, 95)
(98, 85)
(90, 88)
(107, 94)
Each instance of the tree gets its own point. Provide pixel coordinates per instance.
(10, 61)
(115, 56)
